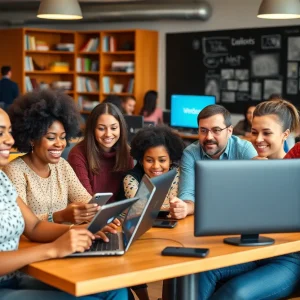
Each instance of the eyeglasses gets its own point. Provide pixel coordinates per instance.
(214, 131)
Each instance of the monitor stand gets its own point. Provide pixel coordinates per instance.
(249, 240)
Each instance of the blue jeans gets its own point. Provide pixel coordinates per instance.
(28, 287)
(271, 278)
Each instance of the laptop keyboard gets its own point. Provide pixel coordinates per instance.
(100, 245)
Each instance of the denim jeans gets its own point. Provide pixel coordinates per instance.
(271, 278)
(28, 288)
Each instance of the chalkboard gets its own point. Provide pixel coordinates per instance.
(239, 67)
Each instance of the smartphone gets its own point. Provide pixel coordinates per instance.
(101, 198)
(163, 214)
(164, 224)
(188, 252)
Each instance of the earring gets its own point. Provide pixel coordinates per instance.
(32, 147)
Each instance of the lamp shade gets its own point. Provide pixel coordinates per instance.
(59, 10)
(279, 9)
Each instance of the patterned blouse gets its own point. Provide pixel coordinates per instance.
(46, 195)
(131, 186)
(11, 219)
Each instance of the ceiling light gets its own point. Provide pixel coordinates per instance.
(279, 9)
(59, 10)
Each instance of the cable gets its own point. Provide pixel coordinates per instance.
(162, 239)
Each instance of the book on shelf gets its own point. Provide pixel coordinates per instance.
(86, 65)
(106, 84)
(91, 45)
(130, 86)
(109, 44)
(122, 66)
(86, 84)
(32, 44)
(31, 84)
(29, 63)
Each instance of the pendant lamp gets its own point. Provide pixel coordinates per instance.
(279, 9)
(60, 10)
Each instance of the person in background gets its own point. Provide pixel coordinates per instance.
(43, 123)
(243, 127)
(58, 240)
(215, 142)
(102, 158)
(128, 105)
(272, 278)
(156, 150)
(9, 90)
(114, 99)
(150, 111)
(273, 122)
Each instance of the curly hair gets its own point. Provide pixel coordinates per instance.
(161, 135)
(33, 113)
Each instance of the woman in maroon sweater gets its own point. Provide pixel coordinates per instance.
(102, 158)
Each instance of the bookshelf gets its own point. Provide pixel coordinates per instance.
(90, 65)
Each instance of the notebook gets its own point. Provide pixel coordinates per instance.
(140, 212)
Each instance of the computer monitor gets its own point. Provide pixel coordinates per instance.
(247, 197)
(185, 109)
(134, 124)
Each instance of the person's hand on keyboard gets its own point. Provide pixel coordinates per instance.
(111, 227)
(74, 240)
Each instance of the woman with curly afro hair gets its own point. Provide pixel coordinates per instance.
(42, 125)
(157, 150)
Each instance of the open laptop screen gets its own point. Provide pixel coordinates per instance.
(137, 210)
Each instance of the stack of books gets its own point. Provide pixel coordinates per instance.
(62, 85)
(65, 47)
(86, 104)
(59, 66)
(122, 66)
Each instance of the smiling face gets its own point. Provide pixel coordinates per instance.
(214, 143)
(156, 161)
(107, 132)
(268, 136)
(50, 147)
(6, 139)
(129, 106)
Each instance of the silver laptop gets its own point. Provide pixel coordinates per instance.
(138, 213)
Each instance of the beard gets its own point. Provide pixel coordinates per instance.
(215, 150)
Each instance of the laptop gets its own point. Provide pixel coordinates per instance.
(162, 184)
(134, 124)
(139, 213)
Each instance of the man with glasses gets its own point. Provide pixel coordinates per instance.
(215, 142)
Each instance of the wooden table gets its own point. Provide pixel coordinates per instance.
(143, 262)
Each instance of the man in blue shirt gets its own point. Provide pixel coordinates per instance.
(8, 89)
(215, 142)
